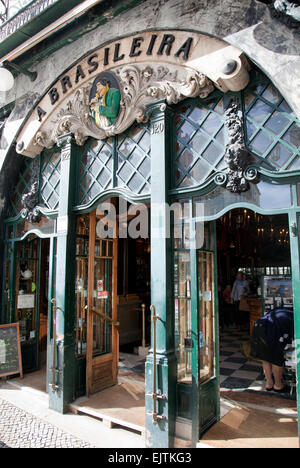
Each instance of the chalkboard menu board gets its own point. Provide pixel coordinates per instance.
(10, 350)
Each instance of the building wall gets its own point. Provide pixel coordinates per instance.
(247, 24)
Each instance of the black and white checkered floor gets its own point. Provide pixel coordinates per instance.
(236, 371)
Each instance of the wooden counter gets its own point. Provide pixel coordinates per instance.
(255, 304)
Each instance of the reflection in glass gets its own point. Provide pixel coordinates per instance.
(277, 122)
(261, 143)
(279, 155)
(81, 284)
(102, 296)
(7, 295)
(260, 111)
(272, 94)
(206, 315)
(292, 136)
(182, 306)
(26, 288)
(263, 195)
(45, 227)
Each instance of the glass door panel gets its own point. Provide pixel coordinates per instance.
(81, 284)
(102, 302)
(206, 315)
(183, 328)
(26, 289)
(5, 315)
(27, 299)
(102, 333)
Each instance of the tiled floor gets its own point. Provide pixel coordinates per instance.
(132, 362)
(236, 371)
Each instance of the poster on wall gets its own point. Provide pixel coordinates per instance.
(277, 292)
(25, 301)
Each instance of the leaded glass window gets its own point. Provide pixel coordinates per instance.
(272, 132)
(96, 169)
(50, 179)
(134, 164)
(199, 141)
(46, 171)
(118, 162)
(272, 129)
(22, 187)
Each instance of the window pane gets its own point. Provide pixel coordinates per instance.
(292, 136)
(206, 316)
(182, 306)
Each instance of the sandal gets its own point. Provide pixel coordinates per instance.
(284, 389)
(269, 389)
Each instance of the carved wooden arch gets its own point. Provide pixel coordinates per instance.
(149, 66)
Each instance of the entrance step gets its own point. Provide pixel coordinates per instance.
(122, 405)
(34, 383)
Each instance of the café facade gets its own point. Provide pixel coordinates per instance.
(196, 125)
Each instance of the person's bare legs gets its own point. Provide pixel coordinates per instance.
(268, 373)
(277, 372)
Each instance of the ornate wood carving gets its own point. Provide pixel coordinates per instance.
(236, 155)
(30, 199)
(285, 10)
(140, 86)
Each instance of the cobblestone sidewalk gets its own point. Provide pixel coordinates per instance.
(19, 429)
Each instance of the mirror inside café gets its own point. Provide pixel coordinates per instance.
(254, 279)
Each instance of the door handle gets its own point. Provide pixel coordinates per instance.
(105, 317)
(53, 369)
(156, 394)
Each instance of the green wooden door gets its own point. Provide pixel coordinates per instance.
(196, 332)
(207, 309)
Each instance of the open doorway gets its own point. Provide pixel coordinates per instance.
(255, 249)
(113, 319)
(31, 308)
(133, 306)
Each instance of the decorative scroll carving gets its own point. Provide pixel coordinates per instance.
(140, 87)
(236, 155)
(30, 200)
(285, 10)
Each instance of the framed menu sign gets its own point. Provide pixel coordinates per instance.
(277, 292)
(10, 350)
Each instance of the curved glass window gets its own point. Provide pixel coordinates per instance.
(272, 129)
(262, 195)
(44, 228)
(271, 132)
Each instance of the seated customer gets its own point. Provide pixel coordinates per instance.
(270, 336)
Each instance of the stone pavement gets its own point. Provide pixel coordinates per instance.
(27, 421)
(19, 429)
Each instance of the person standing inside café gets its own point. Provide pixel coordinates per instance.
(240, 288)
